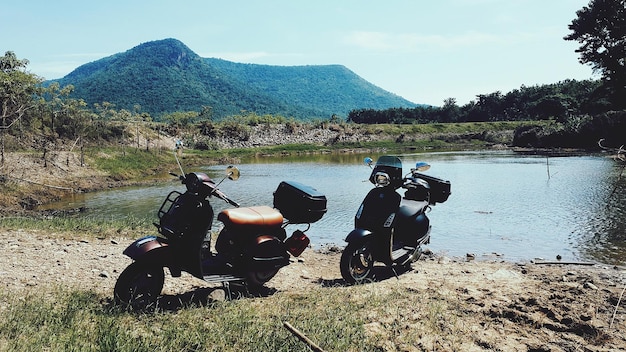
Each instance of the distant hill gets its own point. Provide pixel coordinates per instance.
(166, 76)
(326, 89)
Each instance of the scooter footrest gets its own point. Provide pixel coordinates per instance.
(398, 253)
(222, 278)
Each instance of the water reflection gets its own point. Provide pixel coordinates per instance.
(525, 207)
(604, 237)
(518, 207)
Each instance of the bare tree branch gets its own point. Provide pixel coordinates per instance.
(620, 153)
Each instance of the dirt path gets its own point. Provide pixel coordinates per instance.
(507, 306)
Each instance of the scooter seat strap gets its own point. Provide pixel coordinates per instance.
(257, 216)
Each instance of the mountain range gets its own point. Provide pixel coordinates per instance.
(165, 76)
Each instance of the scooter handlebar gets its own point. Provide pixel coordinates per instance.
(232, 202)
(224, 197)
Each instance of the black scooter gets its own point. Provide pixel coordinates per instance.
(250, 249)
(391, 228)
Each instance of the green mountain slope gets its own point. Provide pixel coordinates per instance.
(324, 88)
(166, 76)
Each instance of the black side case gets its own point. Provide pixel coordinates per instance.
(299, 203)
(439, 189)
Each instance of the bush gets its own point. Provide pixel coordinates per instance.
(579, 131)
(236, 130)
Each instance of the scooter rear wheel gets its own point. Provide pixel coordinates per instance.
(357, 262)
(139, 285)
(260, 277)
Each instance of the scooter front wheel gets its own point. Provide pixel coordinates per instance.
(139, 285)
(357, 262)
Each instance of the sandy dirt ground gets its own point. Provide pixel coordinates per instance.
(509, 306)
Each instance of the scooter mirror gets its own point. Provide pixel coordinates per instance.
(233, 173)
(422, 166)
(368, 161)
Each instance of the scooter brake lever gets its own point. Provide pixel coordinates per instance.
(180, 177)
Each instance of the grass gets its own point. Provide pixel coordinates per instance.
(449, 128)
(129, 163)
(356, 318)
(83, 227)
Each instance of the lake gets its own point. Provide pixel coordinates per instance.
(505, 205)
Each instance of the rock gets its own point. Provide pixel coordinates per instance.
(218, 295)
(590, 286)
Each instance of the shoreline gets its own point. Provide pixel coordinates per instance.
(461, 255)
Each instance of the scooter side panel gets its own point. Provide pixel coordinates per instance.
(409, 229)
(268, 252)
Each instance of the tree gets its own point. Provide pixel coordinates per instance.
(17, 90)
(601, 29)
(449, 111)
(487, 108)
(57, 103)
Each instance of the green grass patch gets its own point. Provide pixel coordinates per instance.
(355, 318)
(81, 226)
(451, 128)
(130, 163)
(66, 320)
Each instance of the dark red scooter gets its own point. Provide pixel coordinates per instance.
(250, 249)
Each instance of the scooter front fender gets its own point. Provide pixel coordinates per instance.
(357, 234)
(150, 248)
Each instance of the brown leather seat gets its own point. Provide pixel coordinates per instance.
(251, 216)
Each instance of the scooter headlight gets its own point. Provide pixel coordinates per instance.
(382, 179)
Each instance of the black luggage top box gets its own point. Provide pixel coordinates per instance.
(299, 203)
(439, 189)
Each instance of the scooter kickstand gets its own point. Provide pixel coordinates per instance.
(395, 273)
(226, 287)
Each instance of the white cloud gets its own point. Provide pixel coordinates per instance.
(411, 42)
(369, 40)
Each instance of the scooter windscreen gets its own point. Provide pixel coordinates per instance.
(392, 166)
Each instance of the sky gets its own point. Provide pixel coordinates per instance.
(425, 51)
